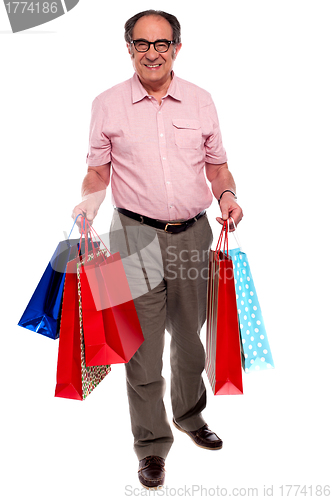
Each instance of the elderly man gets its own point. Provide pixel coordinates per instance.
(158, 133)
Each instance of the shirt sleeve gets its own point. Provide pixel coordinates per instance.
(214, 149)
(99, 152)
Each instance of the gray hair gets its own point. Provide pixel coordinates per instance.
(129, 26)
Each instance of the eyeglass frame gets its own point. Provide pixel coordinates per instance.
(169, 42)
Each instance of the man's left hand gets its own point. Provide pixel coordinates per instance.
(230, 208)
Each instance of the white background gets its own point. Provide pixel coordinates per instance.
(267, 66)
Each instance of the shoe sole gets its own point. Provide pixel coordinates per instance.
(155, 488)
(158, 487)
(199, 445)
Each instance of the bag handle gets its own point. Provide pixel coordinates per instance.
(236, 234)
(97, 235)
(224, 230)
(86, 239)
(79, 215)
(80, 243)
(88, 229)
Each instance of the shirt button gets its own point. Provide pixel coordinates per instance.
(161, 135)
(167, 182)
(171, 206)
(164, 158)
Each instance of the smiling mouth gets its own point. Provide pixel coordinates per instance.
(152, 66)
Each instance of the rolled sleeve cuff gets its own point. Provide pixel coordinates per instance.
(93, 160)
(216, 159)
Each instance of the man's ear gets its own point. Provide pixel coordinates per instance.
(177, 49)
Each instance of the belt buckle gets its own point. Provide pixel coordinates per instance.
(172, 224)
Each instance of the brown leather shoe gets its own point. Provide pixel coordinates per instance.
(151, 472)
(203, 437)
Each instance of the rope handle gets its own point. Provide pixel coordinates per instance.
(79, 215)
(86, 239)
(88, 229)
(91, 229)
(236, 234)
(224, 230)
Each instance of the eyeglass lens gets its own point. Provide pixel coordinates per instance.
(159, 45)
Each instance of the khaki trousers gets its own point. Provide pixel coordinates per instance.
(167, 274)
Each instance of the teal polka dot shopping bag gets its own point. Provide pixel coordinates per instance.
(256, 348)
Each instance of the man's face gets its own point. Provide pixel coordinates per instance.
(153, 68)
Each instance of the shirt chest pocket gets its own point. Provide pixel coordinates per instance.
(188, 133)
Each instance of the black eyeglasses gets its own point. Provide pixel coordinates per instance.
(142, 45)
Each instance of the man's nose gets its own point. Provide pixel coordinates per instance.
(152, 54)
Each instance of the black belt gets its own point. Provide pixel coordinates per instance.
(169, 227)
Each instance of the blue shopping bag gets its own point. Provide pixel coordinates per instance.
(255, 344)
(43, 312)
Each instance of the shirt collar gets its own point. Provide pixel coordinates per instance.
(139, 92)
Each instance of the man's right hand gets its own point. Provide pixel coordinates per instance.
(93, 193)
(88, 207)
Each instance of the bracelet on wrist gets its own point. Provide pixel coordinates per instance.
(227, 191)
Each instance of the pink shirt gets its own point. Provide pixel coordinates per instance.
(157, 153)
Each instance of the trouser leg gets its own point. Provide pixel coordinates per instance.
(186, 276)
(142, 259)
(145, 383)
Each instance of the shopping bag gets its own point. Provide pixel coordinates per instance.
(74, 380)
(112, 332)
(223, 351)
(42, 314)
(255, 344)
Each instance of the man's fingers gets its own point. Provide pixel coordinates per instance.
(90, 216)
(76, 213)
(236, 214)
(78, 220)
(87, 215)
(221, 221)
(224, 211)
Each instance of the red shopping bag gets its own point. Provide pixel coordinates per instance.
(112, 332)
(74, 379)
(223, 351)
